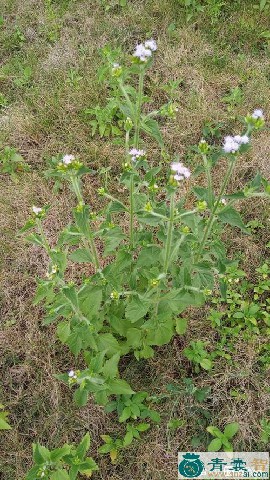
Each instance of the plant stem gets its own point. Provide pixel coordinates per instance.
(88, 240)
(131, 218)
(76, 188)
(169, 235)
(138, 109)
(43, 237)
(211, 219)
(127, 145)
(209, 180)
(136, 145)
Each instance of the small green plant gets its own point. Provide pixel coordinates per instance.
(212, 130)
(107, 120)
(197, 354)
(132, 407)
(245, 307)
(74, 78)
(24, 76)
(114, 445)
(110, 4)
(3, 101)
(233, 98)
(12, 163)
(192, 8)
(64, 463)
(263, 5)
(222, 440)
(4, 425)
(265, 430)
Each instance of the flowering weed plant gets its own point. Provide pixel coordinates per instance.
(154, 252)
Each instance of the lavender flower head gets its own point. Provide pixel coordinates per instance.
(232, 144)
(144, 50)
(258, 113)
(180, 171)
(136, 154)
(67, 159)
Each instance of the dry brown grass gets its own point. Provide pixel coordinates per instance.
(46, 119)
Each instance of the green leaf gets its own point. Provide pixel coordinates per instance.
(71, 294)
(106, 448)
(112, 239)
(136, 309)
(120, 387)
(74, 341)
(162, 333)
(83, 446)
(63, 331)
(90, 299)
(3, 423)
(215, 431)
(232, 217)
(128, 439)
(29, 224)
(60, 475)
(125, 414)
(142, 427)
(107, 342)
(59, 453)
(206, 364)
(34, 238)
(110, 369)
(81, 255)
(116, 206)
(32, 474)
(88, 466)
(231, 429)
(40, 454)
(215, 445)
(181, 326)
(81, 397)
(73, 472)
(151, 127)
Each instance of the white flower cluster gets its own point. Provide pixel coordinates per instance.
(232, 144)
(258, 113)
(180, 172)
(144, 50)
(67, 159)
(36, 210)
(136, 154)
(72, 374)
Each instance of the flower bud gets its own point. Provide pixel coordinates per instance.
(115, 295)
(202, 206)
(203, 146)
(101, 191)
(128, 124)
(117, 70)
(148, 207)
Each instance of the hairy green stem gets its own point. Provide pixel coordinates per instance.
(168, 245)
(89, 241)
(136, 145)
(209, 180)
(211, 219)
(138, 109)
(43, 237)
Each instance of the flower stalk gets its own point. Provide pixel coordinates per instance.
(211, 219)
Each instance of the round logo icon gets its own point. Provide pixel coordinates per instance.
(191, 466)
